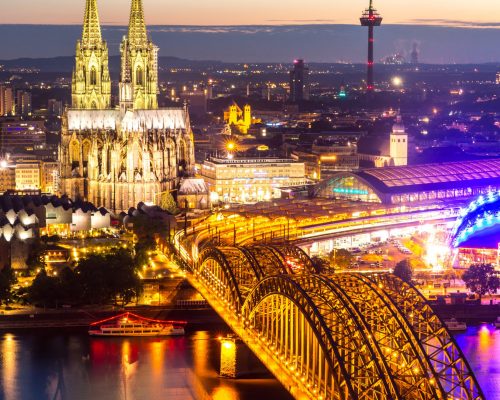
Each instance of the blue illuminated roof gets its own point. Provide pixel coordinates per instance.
(479, 223)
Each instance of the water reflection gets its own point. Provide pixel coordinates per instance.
(59, 366)
(481, 346)
(9, 367)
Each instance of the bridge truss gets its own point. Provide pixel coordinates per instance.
(333, 336)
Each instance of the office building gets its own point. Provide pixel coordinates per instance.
(299, 82)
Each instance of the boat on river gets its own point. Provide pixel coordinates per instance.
(454, 325)
(129, 324)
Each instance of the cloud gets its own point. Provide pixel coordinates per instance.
(304, 21)
(249, 30)
(455, 23)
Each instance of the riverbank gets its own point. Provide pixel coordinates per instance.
(473, 314)
(195, 317)
(81, 318)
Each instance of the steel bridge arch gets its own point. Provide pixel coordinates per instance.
(216, 272)
(288, 253)
(278, 289)
(370, 336)
(372, 351)
(447, 359)
(403, 352)
(268, 260)
(234, 271)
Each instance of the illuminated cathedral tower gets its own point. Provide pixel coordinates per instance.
(91, 86)
(119, 157)
(139, 67)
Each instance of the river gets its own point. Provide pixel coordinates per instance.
(72, 366)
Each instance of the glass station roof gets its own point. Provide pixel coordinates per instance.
(433, 174)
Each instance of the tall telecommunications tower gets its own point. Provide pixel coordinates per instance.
(370, 18)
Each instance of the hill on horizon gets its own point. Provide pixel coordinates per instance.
(269, 43)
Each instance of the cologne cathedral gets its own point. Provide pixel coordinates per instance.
(116, 157)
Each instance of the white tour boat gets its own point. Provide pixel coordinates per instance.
(454, 325)
(130, 324)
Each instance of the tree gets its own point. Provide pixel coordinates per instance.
(404, 270)
(44, 289)
(35, 259)
(70, 287)
(91, 273)
(481, 279)
(109, 278)
(123, 281)
(322, 264)
(340, 258)
(168, 203)
(142, 250)
(7, 280)
(145, 226)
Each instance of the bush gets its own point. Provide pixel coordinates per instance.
(404, 270)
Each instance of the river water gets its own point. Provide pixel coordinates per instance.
(73, 366)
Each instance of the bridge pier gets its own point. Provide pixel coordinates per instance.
(234, 357)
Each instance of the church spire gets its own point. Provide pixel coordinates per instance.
(139, 72)
(91, 83)
(137, 34)
(91, 36)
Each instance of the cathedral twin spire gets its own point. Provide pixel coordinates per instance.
(91, 86)
(91, 35)
(137, 34)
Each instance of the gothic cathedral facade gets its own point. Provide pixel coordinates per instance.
(118, 157)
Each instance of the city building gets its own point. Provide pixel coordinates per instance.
(327, 157)
(392, 152)
(28, 176)
(23, 103)
(239, 119)
(247, 180)
(55, 108)
(7, 104)
(398, 143)
(299, 82)
(412, 184)
(40, 176)
(24, 218)
(49, 171)
(118, 157)
(193, 194)
(17, 135)
(7, 178)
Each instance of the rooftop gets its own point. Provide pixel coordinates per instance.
(439, 175)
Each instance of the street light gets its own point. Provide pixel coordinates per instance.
(397, 81)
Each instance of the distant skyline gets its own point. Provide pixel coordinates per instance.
(461, 13)
(267, 43)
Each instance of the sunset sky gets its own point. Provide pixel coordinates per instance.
(229, 12)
